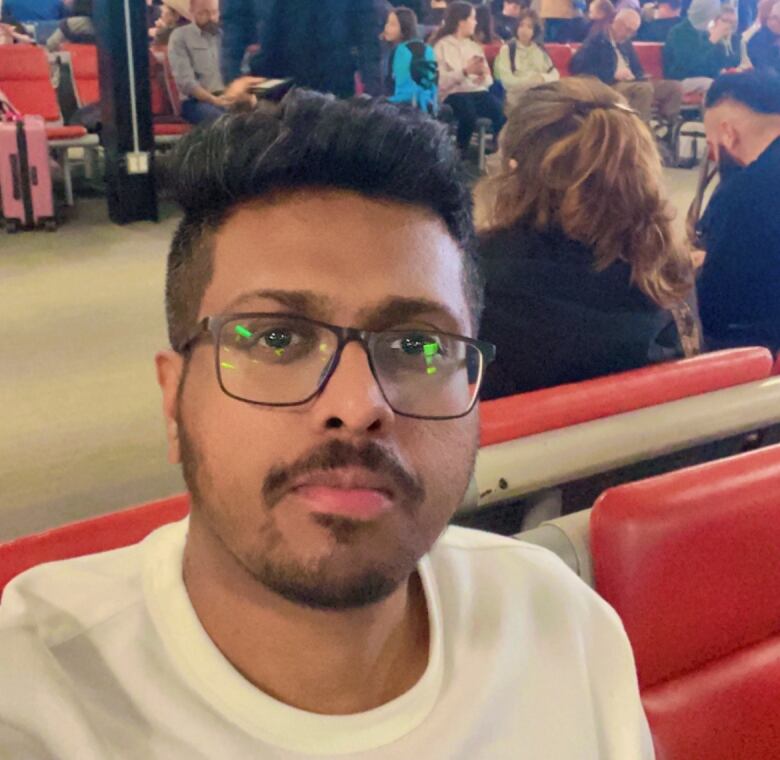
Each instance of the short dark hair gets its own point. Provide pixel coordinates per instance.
(407, 20)
(758, 90)
(309, 141)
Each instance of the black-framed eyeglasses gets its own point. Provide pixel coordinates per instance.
(286, 360)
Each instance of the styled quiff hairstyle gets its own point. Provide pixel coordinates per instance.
(576, 158)
(309, 141)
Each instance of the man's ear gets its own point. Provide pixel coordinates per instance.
(730, 137)
(170, 367)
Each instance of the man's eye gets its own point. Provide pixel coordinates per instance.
(414, 345)
(277, 338)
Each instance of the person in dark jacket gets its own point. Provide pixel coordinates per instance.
(322, 46)
(666, 18)
(77, 29)
(506, 21)
(740, 280)
(609, 55)
(702, 45)
(582, 279)
(764, 46)
(243, 26)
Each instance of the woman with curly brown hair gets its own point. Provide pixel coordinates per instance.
(584, 274)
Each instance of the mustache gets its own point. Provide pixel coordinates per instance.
(337, 454)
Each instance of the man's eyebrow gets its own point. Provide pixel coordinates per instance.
(304, 302)
(396, 310)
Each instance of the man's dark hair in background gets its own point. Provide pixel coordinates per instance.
(310, 141)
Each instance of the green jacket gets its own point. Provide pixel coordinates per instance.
(689, 53)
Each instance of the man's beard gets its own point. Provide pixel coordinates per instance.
(321, 584)
(210, 27)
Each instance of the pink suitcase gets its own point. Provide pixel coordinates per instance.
(25, 175)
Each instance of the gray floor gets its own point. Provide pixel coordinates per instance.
(81, 318)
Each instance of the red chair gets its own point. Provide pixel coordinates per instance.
(86, 76)
(528, 413)
(25, 79)
(690, 561)
(650, 55)
(491, 50)
(561, 56)
(97, 534)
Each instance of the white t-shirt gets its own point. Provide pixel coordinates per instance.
(103, 657)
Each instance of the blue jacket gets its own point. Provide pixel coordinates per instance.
(406, 89)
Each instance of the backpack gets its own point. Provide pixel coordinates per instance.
(424, 73)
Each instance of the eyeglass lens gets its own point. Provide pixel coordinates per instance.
(284, 360)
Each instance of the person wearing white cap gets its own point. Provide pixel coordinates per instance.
(174, 13)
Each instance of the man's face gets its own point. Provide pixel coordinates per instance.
(256, 472)
(512, 9)
(625, 26)
(205, 13)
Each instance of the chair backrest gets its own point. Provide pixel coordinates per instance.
(553, 408)
(86, 77)
(161, 104)
(96, 534)
(25, 79)
(561, 56)
(690, 562)
(492, 50)
(776, 367)
(170, 83)
(650, 55)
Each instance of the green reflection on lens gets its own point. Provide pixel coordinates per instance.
(243, 332)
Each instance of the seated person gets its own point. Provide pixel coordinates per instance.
(194, 55)
(413, 68)
(666, 17)
(464, 75)
(740, 280)
(701, 46)
(556, 16)
(764, 46)
(762, 14)
(609, 55)
(314, 603)
(523, 62)
(584, 274)
(76, 29)
(506, 22)
(174, 13)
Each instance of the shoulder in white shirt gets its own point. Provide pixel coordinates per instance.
(104, 657)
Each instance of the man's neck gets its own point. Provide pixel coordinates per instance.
(325, 662)
(664, 15)
(762, 141)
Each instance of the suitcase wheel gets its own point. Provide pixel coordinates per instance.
(50, 225)
(12, 226)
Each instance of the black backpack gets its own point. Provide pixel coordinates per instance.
(424, 73)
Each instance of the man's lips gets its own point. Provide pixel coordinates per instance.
(357, 495)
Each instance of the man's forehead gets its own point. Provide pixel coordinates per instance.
(345, 252)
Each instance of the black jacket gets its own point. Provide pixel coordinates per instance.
(657, 30)
(598, 58)
(763, 51)
(321, 44)
(556, 320)
(739, 285)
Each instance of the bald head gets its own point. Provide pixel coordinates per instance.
(626, 25)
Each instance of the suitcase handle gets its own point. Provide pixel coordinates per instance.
(16, 176)
(33, 175)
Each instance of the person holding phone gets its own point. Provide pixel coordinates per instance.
(464, 74)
